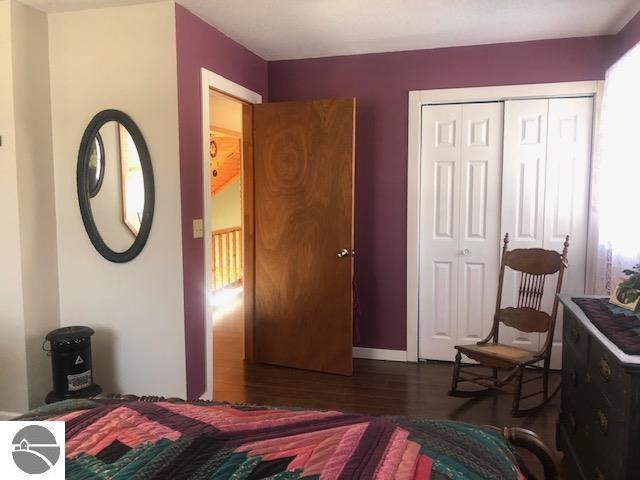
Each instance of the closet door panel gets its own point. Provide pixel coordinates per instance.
(479, 246)
(523, 191)
(439, 227)
(567, 196)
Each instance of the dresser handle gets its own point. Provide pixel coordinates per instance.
(575, 336)
(574, 377)
(598, 474)
(603, 422)
(572, 422)
(605, 369)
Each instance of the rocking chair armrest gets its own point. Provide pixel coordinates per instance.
(530, 441)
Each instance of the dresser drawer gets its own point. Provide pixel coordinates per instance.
(606, 376)
(574, 335)
(595, 459)
(574, 371)
(605, 431)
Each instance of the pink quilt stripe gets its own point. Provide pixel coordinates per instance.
(321, 455)
(301, 460)
(226, 419)
(68, 416)
(261, 447)
(343, 452)
(128, 426)
(408, 464)
(423, 469)
(393, 454)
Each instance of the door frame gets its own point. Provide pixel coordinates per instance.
(422, 98)
(211, 80)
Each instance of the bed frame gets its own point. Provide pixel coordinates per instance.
(516, 436)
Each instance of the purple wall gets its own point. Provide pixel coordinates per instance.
(627, 37)
(200, 45)
(380, 83)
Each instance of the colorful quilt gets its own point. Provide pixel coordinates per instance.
(107, 439)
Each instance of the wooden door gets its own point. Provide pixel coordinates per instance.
(461, 165)
(304, 174)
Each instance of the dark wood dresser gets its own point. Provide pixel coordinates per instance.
(599, 425)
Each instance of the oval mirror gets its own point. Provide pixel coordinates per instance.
(115, 186)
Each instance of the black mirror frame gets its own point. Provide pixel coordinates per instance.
(94, 191)
(83, 189)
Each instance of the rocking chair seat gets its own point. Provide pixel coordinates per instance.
(497, 354)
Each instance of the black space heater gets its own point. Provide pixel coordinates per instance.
(70, 351)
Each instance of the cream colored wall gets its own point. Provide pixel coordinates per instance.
(122, 58)
(225, 112)
(32, 109)
(13, 375)
(226, 206)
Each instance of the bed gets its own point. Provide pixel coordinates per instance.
(124, 436)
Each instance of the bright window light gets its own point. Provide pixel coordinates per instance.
(619, 176)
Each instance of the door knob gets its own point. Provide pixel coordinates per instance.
(466, 252)
(345, 253)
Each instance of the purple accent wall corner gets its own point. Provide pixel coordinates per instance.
(627, 38)
(199, 45)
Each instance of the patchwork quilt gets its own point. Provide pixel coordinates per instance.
(108, 439)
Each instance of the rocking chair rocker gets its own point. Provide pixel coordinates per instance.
(534, 264)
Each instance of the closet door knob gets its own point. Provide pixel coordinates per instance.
(466, 252)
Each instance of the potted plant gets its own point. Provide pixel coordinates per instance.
(627, 291)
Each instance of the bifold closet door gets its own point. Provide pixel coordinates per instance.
(523, 185)
(545, 188)
(459, 250)
(566, 209)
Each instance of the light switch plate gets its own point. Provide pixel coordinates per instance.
(198, 229)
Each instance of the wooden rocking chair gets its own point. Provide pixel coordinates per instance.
(535, 264)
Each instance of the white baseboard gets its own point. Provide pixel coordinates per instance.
(380, 354)
(8, 415)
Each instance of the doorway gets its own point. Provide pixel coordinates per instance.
(226, 239)
(282, 276)
(227, 222)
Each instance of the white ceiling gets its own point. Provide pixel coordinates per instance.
(287, 29)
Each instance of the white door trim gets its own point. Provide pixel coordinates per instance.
(420, 98)
(218, 82)
(380, 354)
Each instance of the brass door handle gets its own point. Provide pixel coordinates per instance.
(345, 253)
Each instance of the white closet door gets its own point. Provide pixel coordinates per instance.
(567, 197)
(460, 198)
(523, 192)
(479, 247)
(439, 224)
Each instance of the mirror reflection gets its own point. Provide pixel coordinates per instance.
(95, 166)
(116, 186)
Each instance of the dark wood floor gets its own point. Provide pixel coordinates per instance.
(376, 387)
